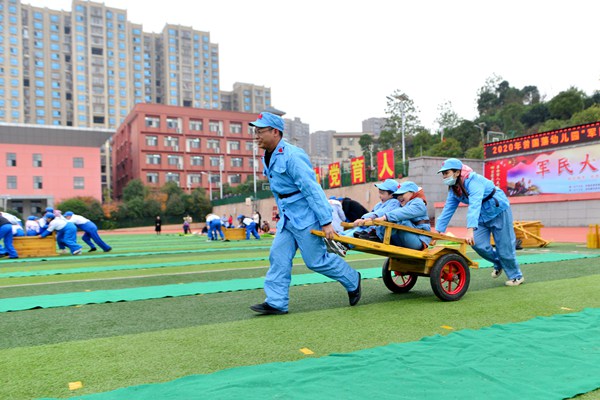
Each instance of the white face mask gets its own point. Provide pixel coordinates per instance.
(450, 180)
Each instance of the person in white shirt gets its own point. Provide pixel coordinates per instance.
(250, 225)
(91, 231)
(66, 228)
(214, 226)
(32, 226)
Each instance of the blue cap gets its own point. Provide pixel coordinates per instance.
(389, 184)
(49, 216)
(49, 209)
(407, 186)
(451, 163)
(340, 198)
(332, 198)
(68, 213)
(240, 217)
(267, 119)
(31, 218)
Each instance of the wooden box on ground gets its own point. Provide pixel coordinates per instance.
(34, 246)
(235, 233)
(529, 233)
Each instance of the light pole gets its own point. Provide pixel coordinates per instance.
(400, 102)
(254, 149)
(209, 184)
(221, 162)
(480, 126)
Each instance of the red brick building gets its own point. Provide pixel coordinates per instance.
(158, 144)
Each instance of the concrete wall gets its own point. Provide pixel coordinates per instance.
(423, 171)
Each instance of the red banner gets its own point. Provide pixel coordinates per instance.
(385, 164)
(317, 173)
(335, 175)
(357, 167)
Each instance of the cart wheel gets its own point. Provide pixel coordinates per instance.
(450, 277)
(396, 281)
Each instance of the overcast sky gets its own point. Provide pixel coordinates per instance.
(332, 63)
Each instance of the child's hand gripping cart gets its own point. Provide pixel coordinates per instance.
(446, 266)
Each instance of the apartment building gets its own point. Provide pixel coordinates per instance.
(374, 125)
(192, 147)
(88, 67)
(297, 133)
(345, 146)
(246, 97)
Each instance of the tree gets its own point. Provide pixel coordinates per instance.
(586, 116)
(475, 152)
(447, 118)
(565, 104)
(369, 148)
(134, 189)
(422, 142)
(535, 114)
(89, 207)
(448, 148)
(466, 134)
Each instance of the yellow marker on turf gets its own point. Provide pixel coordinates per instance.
(447, 327)
(307, 351)
(566, 308)
(75, 385)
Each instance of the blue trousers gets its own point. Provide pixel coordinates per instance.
(214, 227)
(91, 234)
(504, 256)
(252, 229)
(69, 237)
(7, 236)
(408, 239)
(315, 255)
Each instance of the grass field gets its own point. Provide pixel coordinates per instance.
(114, 345)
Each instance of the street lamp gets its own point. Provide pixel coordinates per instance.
(209, 183)
(401, 103)
(254, 150)
(221, 164)
(480, 126)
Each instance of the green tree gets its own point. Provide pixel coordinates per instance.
(422, 142)
(447, 118)
(86, 206)
(448, 148)
(466, 134)
(586, 116)
(134, 189)
(475, 152)
(565, 104)
(535, 114)
(175, 205)
(200, 205)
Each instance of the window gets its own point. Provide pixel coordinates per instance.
(194, 178)
(78, 182)
(175, 160)
(152, 177)
(172, 142)
(37, 182)
(193, 144)
(249, 146)
(11, 159)
(214, 144)
(11, 182)
(195, 125)
(338, 154)
(236, 178)
(173, 123)
(153, 159)
(215, 161)
(197, 161)
(237, 162)
(216, 127)
(351, 141)
(152, 122)
(233, 145)
(152, 141)
(339, 142)
(235, 127)
(77, 162)
(37, 160)
(173, 177)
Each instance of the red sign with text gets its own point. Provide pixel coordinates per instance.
(357, 168)
(385, 164)
(335, 175)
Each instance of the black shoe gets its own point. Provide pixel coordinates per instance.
(90, 250)
(354, 296)
(357, 234)
(266, 309)
(519, 245)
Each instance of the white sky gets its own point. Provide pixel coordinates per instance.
(332, 63)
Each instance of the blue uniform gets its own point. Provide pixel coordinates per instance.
(379, 210)
(302, 206)
(413, 215)
(90, 232)
(68, 232)
(489, 213)
(214, 227)
(6, 234)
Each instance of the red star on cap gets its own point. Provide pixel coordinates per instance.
(260, 116)
(281, 150)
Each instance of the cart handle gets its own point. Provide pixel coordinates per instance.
(433, 235)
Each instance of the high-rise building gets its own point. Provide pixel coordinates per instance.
(321, 147)
(246, 97)
(297, 133)
(374, 125)
(90, 66)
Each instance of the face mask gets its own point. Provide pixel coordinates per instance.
(450, 181)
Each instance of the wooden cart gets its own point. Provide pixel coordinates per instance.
(446, 266)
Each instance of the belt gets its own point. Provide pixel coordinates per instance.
(285, 196)
(491, 196)
(421, 222)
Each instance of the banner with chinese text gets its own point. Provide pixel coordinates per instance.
(385, 165)
(357, 168)
(335, 175)
(317, 174)
(567, 170)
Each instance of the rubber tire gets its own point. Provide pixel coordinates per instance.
(389, 279)
(439, 277)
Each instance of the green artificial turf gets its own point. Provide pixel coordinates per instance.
(107, 346)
